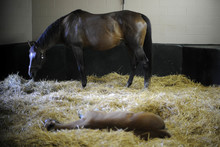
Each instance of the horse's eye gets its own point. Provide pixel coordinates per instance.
(42, 56)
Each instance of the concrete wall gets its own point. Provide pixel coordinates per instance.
(181, 21)
(16, 21)
(173, 21)
(47, 11)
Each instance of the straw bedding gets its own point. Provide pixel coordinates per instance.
(191, 111)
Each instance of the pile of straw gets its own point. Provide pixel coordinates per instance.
(191, 111)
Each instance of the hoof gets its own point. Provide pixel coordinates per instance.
(84, 82)
(128, 85)
(49, 124)
(84, 85)
(146, 85)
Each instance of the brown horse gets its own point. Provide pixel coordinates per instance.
(80, 29)
(144, 124)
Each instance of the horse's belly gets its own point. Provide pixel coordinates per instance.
(104, 35)
(105, 42)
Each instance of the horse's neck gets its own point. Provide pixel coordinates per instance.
(50, 37)
(48, 44)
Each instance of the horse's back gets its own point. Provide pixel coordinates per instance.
(105, 31)
(99, 119)
(101, 31)
(133, 26)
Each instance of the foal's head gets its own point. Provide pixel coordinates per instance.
(37, 58)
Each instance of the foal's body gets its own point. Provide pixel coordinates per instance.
(141, 123)
(81, 29)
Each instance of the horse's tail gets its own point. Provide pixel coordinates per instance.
(148, 41)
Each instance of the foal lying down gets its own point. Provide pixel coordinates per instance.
(144, 124)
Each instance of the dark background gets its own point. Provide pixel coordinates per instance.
(201, 63)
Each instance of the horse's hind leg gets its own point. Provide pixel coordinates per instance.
(141, 57)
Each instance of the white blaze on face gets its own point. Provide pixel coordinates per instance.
(32, 55)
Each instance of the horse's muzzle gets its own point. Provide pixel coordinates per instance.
(32, 72)
(29, 72)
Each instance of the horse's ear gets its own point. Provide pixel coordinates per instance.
(29, 43)
(33, 43)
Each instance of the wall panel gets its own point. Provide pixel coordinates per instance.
(16, 25)
(47, 11)
(181, 21)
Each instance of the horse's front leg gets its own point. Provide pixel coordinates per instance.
(133, 69)
(147, 74)
(78, 53)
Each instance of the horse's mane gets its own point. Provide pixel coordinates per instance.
(54, 30)
(50, 33)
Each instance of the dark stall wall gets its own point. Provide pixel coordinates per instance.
(201, 64)
(103, 62)
(167, 59)
(14, 58)
(61, 64)
(16, 21)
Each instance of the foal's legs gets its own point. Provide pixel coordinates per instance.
(54, 125)
(152, 134)
(78, 53)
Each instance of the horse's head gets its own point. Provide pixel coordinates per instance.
(37, 58)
